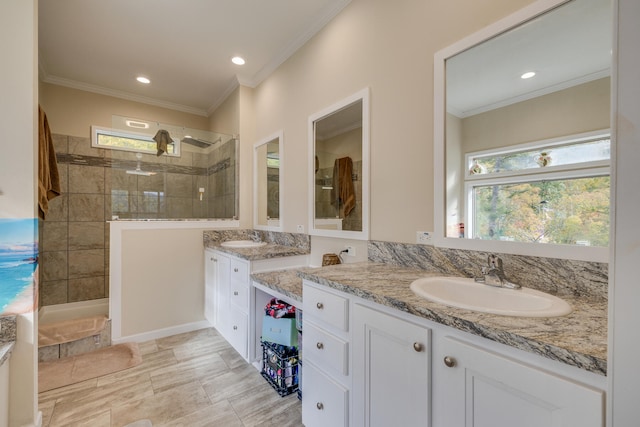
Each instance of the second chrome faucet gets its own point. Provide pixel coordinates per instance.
(493, 274)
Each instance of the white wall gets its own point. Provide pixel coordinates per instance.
(387, 46)
(18, 166)
(624, 288)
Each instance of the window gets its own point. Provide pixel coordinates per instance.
(129, 141)
(547, 192)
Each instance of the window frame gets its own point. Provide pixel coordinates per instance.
(547, 173)
(99, 130)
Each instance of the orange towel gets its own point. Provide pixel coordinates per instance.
(48, 176)
(343, 190)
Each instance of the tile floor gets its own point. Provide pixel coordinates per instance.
(193, 379)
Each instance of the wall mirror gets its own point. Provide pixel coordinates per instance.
(522, 134)
(339, 165)
(268, 162)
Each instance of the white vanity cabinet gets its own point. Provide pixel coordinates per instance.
(408, 371)
(227, 298)
(230, 298)
(391, 370)
(479, 387)
(325, 353)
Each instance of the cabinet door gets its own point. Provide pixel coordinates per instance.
(480, 388)
(222, 294)
(391, 370)
(210, 286)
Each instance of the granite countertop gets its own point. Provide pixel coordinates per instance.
(267, 251)
(7, 337)
(578, 339)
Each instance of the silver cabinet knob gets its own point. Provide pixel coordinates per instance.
(418, 347)
(235, 293)
(319, 306)
(320, 406)
(319, 346)
(235, 328)
(449, 361)
(235, 270)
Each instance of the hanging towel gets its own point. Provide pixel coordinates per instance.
(162, 138)
(343, 191)
(48, 176)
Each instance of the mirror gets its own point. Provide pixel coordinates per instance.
(268, 183)
(339, 165)
(510, 147)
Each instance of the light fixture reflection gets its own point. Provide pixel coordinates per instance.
(528, 75)
(238, 60)
(143, 79)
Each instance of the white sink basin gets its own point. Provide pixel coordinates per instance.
(242, 244)
(466, 293)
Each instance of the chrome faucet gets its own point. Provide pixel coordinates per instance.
(493, 274)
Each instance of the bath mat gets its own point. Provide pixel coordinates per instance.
(71, 370)
(70, 330)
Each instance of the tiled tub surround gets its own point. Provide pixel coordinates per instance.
(278, 244)
(7, 337)
(74, 239)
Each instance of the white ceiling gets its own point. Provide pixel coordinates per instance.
(183, 46)
(565, 47)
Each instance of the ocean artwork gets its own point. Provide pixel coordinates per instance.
(18, 260)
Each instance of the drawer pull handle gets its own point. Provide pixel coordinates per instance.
(418, 347)
(449, 361)
(235, 270)
(235, 293)
(320, 406)
(235, 328)
(319, 346)
(213, 259)
(319, 306)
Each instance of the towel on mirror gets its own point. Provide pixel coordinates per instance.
(162, 139)
(48, 175)
(343, 191)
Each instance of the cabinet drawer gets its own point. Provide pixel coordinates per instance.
(324, 349)
(237, 332)
(325, 401)
(239, 295)
(329, 308)
(239, 271)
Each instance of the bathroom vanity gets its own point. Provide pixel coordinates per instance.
(232, 304)
(375, 354)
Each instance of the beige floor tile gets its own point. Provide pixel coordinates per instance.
(220, 414)
(199, 368)
(163, 407)
(194, 379)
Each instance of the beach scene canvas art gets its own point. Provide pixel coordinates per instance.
(18, 263)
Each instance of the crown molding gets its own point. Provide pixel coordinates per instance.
(73, 84)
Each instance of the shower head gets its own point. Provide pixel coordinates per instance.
(138, 170)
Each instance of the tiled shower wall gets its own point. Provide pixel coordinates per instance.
(74, 238)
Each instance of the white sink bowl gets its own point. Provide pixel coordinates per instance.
(468, 294)
(242, 244)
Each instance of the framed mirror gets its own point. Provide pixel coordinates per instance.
(339, 165)
(268, 162)
(521, 134)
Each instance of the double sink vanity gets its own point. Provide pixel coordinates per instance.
(375, 352)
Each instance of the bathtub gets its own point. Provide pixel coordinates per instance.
(73, 310)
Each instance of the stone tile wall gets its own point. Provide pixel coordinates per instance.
(74, 238)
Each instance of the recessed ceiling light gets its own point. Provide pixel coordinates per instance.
(237, 60)
(144, 80)
(528, 75)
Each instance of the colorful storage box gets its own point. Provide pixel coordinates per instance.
(280, 331)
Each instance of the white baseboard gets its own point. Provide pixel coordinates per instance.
(161, 333)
